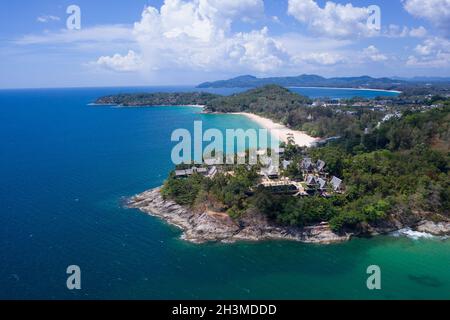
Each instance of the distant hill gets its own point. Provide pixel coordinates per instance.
(269, 99)
(306, 80)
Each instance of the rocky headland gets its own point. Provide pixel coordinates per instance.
(207, 226)
(200, 226)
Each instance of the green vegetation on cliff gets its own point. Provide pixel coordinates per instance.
(394, 159)
(296, 111)
(158, 99)
(397, 173)
(270, 100)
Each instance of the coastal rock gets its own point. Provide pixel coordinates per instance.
(207, 226)
(434, 228)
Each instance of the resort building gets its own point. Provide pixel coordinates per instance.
(286, 164)
(306, 165)
(336, 183)
(280, 151)
(320, 165)
(190, 172)
(270, 172)
(313, 181)
(212, 172)
(322, 184)
(262, 152)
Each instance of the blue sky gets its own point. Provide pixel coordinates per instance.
(170, 42)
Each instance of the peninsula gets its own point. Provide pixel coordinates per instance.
(379, 166)
(157, 99)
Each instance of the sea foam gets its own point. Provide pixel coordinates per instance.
(416, 235)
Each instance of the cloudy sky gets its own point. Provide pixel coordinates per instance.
(170, 42)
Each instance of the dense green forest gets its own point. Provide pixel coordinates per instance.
(270, 99)
(296, 112)
(395, 169)
(399, 172)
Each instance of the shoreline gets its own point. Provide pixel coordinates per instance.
(144, 106)
(301, 139)
(203, 226)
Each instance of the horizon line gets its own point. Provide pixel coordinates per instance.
(211, 81)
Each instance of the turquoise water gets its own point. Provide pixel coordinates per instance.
(65, 168)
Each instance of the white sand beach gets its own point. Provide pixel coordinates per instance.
(301, 138)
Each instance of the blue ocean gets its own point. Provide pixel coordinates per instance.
(66, 168)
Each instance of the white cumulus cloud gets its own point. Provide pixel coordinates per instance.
(437, 12)
(319, 58)
(99, 34)
(419, 32)
(333, 20)
(117, 62)
(47, 18)
(197, 35)
(395, 31)
(433, 52)
(372, 53)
